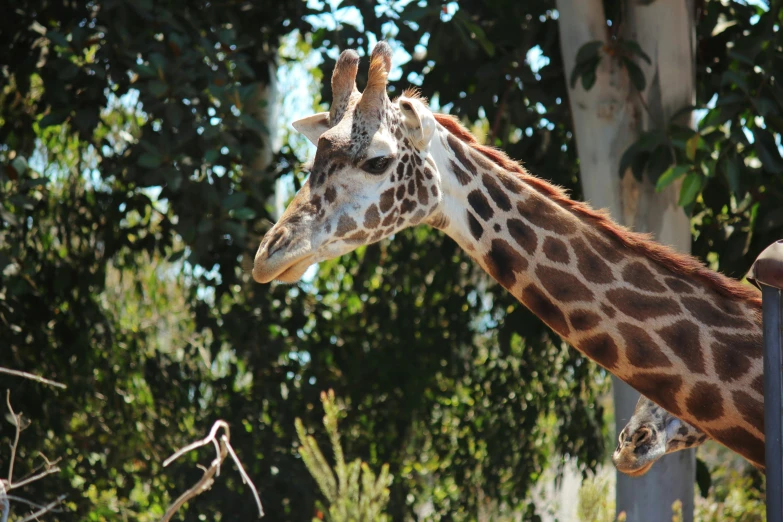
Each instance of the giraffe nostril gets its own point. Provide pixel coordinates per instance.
(641, 436)
(275, 242)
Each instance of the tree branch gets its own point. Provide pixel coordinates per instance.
(32, 377)
(8, 484)
(222, 448)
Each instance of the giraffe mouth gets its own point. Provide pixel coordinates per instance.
(284, 270)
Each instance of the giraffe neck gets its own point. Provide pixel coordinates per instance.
(688, 339)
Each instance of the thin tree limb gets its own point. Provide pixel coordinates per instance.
(45, 509)
(222, 448)
(33, 377)
(8, 484)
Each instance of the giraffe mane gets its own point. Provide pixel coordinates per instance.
(678, 263)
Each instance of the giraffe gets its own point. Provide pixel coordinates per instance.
(684, 336)
(652, 433)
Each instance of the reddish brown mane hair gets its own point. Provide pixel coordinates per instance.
(678, 263)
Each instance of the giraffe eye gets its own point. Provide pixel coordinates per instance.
(377, 165)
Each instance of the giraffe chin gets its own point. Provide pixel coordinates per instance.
(290, 272)
(638, 472)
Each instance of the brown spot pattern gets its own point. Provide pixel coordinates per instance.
(480, 205)
(547, 215)
(708, 314)
(476, 230)
(660, 388)
(331, 194)
(637, 274)
(584, 320)
(358, 237)
(387, 200)
(459, 153)
(561, 285)
(641, 306)
(555, 250)
(388, 220)
(758, 384)
(743, 442)
(424, 196)
(641, 349)
(678, 285)
(606, 248)
(497, 194)
(730, 362)
(602, 349)
(592, 267)
(683, 339)
(523, 235)
(407, 206)
(705, 402)
(511, 182)
(608, 310)
(344, 225)
(750, 409)
(400, 192)
(372, 218)
(545, 309)
(503, 263)
(462, 176)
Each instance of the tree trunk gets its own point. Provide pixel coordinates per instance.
(607, 120)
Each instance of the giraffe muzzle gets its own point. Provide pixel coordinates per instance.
(280, 257)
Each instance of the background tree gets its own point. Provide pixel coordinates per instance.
(134, 188)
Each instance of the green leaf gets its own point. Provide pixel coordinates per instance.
(634, 47)
(733, 173)
(691, 186)
(672, 173)
(149, 161)
(173, 179)
(588, 79)
(54, 118)
(635, 74)
(628, 157)
(691, 146)
(176, 256)
(734, 78)
(233, 201)
(211, 155)
(638, 165)
(767, 151)
(660, 160)
(588, 51)
(157, 88)
(57, 38)
(243, 213)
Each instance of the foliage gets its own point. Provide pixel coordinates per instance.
(352, 490)
(596, 500)
(133, 190)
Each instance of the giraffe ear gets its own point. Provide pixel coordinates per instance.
(313, 126)
(418, 120)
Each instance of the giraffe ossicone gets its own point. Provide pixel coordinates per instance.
(651, 433)
(684, 336)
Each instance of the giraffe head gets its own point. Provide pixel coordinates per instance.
(372, 175)
(651, 433)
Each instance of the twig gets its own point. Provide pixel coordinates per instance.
(222, 448)
(44, 509)
(8, 484)
(17, 423)
(32, 377)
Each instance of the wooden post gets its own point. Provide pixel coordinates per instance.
(767, 273)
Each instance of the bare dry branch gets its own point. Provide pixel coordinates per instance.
(44, 509)
(33, 377)
(222, 448)
(8, 484)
